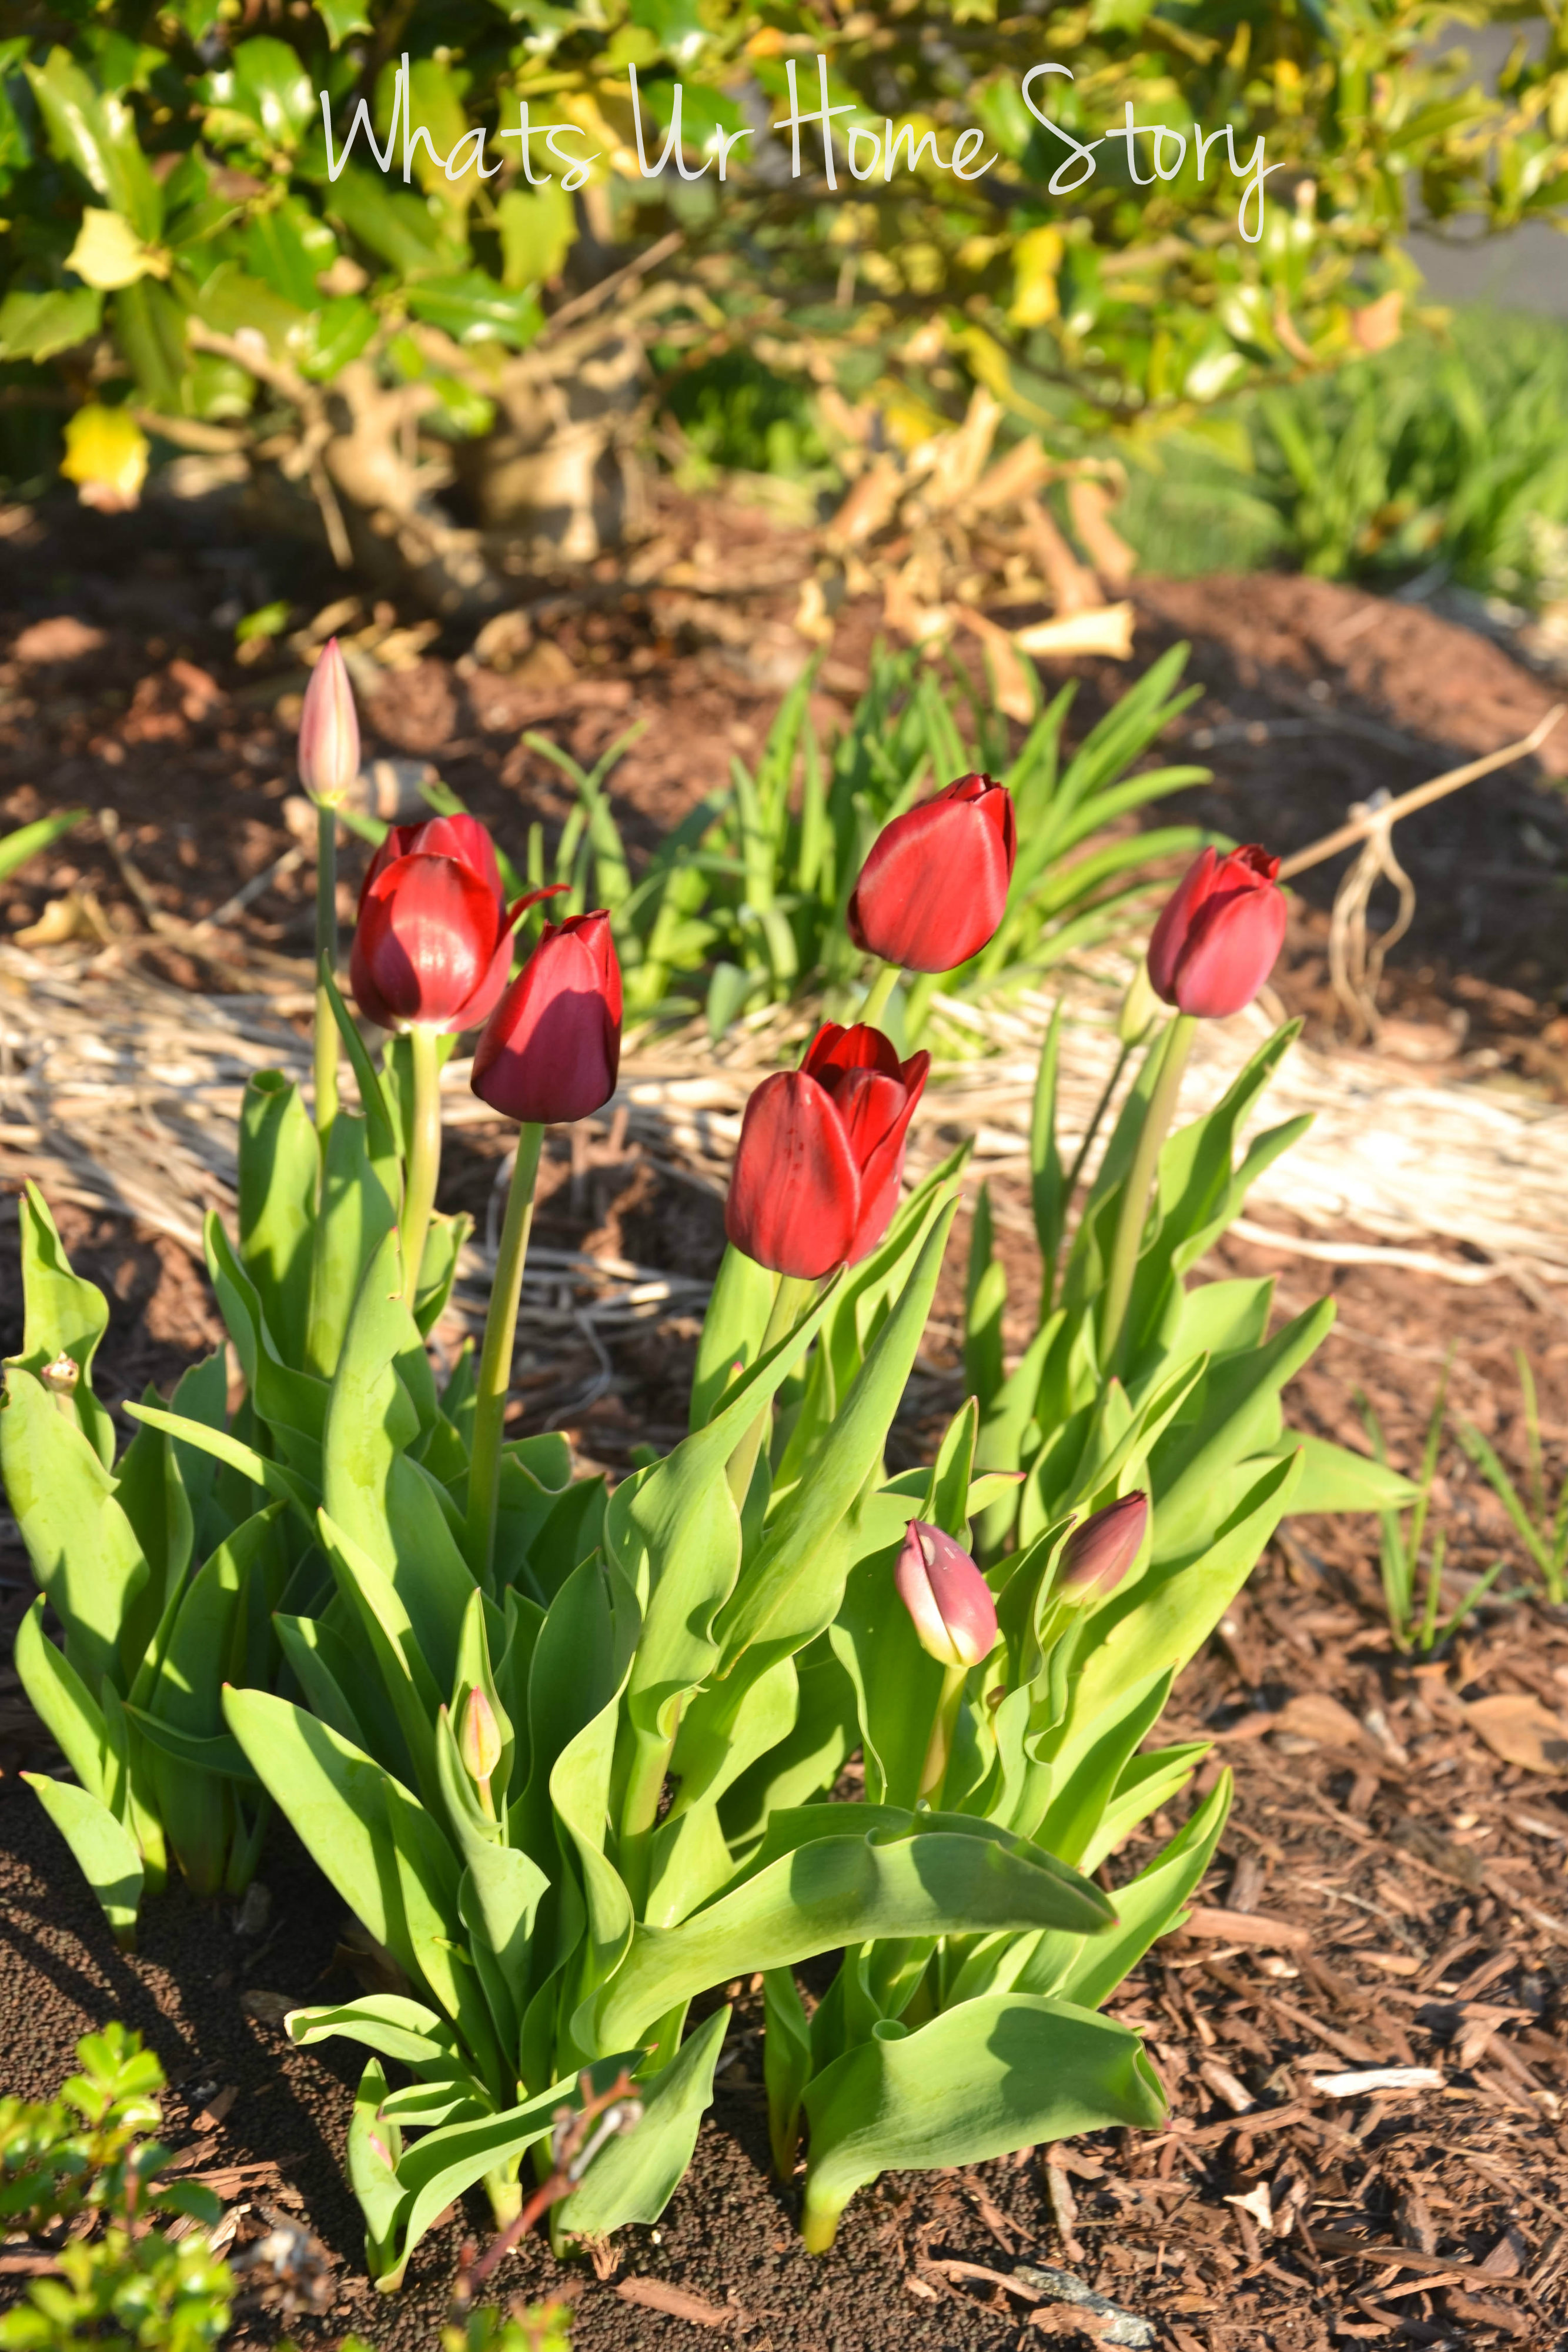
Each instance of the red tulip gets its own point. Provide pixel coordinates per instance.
(552, 1048)
(329, 748)
(1222, 928)
(945, 1595)
(821, 1158)
(434, 943)
(934, 882)
(1099, 1554)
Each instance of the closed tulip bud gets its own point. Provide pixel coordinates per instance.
(1099, 1554)
(552, 1049)
(434, 942)
(934, 887)
(948, 1600)
(821, 1158)
(328, 729)
(479, 1739)
(1222, 929)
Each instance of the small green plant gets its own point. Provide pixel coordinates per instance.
(1541, 1530)
(16, 848)
(86, 2155)
(743, 904)
(1417, 1626)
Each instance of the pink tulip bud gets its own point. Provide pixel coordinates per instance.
(948, 1598)
(328, 729)
(479, 1738)
(1099, 1553)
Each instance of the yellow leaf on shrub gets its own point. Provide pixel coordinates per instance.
(106, 456)
(1037, 258)
(108, 252)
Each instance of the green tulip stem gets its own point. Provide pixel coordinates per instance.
(496, 1361)
(422, 1166)
(789, 1301)
(941, 1745)
(878, 995)
(1140, 1181)
(326, 1063)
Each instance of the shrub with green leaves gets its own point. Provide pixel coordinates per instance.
(182, 247)
(85, 2154)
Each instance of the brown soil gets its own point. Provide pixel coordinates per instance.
(1426, 1874)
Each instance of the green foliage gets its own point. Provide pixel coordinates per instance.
(1542, 1530)
(171, 200)
(28, 840)
(85, 2154)
(1443, 452)
(744, 901)
(1415, 1623)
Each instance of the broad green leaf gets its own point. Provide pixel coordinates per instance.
(385, 1629)
(331, 1794)
(35, 326)
(1154, 1627)
(786, 2065)
(356, 1213)
(105, 1851)
(64, 1313)
(388, 2022)
(473, 308)
(1087, 1969)
(279, 1173)
(374, 2146)
(273, 1477)
(634, 2178)
(1005, 2072)
(733, 1327)
(839, 1889)
(792, 1589)
(97, 134)
(376, 1495)
(1234, 1413)
(82, 1547)
(1336, 1478)
(221, 1754)
(62, 1701)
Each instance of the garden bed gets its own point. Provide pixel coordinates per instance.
(1394, 1893)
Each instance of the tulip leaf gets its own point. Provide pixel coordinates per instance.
(786, 2065)
(897, 1686)
(1088, 1969)
(358, 1210)
(837, 1889)
(279, 1174)
(219, 1754)
(634, 2178)
(1079, 1802)
(1234, 1413)
(64, 1315)
(733, 1327)
(388, 2022)
(83, 1549)
(793, 1587)
(391, 1643)
(374, 2146)
(104, 1850)
(1334, 1479)
(1154, 1627)
(61, 1701)
(331, 1794)
(1004, 2072)
(283, 1485)
(379, 1497)
(443, 2164)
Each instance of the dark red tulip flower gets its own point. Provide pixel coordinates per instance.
(1222, 928)
(1099, 1554)
(552, 1048)
(820, 1157)
(434, 942)
(945, 1595)
(934, 882)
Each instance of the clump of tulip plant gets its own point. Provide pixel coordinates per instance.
(567, 1752)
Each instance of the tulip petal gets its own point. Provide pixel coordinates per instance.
(552, 1049)
(1232, 949)
(795, 1191)
(1170, 933)
(934, 887)
(880, 1155)
(425, 944)
(834, 1050)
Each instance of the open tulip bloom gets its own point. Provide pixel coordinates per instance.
(566, 1752)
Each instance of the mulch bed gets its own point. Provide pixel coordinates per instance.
(1389, 1893)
